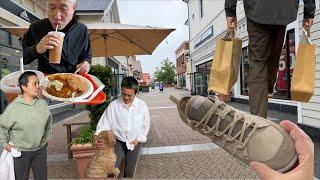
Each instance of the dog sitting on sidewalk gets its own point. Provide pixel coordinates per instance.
(102, 164)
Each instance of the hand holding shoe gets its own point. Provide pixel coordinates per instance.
(305, 151)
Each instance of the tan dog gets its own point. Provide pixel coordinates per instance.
(102, 164)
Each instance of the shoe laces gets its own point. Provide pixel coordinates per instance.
(228, 130)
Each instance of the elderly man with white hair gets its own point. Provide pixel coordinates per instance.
(76, 51)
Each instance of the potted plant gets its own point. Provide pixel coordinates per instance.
(82, 148)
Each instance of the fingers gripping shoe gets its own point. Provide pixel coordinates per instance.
(246, 137)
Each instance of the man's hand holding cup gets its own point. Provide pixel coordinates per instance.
(53, 42)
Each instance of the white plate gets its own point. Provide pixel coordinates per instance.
(9, 83)
(79, 98)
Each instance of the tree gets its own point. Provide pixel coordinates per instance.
(166, 73)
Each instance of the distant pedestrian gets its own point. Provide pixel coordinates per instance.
(161, 86)
(266, 25)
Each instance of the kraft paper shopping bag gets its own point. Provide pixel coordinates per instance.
(226, 64)
(303, 77)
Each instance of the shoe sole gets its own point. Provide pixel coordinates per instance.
(292, 163)
(176, 99)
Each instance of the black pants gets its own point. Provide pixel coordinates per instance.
(37, 160)
(130, 158)
(265, 45)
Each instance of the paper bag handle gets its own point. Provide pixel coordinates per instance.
(305, 38)
(308, 32)
(229, 35)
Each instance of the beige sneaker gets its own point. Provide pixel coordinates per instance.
(246, 137)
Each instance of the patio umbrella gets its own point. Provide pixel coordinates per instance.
(108, 39)
(112, 39)
(16, 30)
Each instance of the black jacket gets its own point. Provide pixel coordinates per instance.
(76, 46)
(3, 101)
(278, 12)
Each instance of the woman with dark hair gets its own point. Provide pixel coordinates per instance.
(26, 123)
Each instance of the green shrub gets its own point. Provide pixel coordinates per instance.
(105, 75)
(85, 135)
(5, 71)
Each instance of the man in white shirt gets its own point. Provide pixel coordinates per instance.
(128, 118)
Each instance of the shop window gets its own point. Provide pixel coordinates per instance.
(204, 37)
(204, 66)
(5, 37)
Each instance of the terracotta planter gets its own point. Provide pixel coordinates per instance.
(82, 153)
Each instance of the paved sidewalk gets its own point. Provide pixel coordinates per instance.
(192, 165)
(176, 151)
(59, 166)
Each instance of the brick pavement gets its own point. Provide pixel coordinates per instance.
(65, 169)
(167, 129)
(192, 165)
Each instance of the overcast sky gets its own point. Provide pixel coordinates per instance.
(158, 13)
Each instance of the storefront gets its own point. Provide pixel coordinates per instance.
(205, 31)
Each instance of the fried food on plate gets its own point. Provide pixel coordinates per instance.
(66, 86)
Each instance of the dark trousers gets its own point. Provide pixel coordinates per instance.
(265, 45)
(130, 158)
(37, 160)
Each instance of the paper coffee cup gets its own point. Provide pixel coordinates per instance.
(55, 53)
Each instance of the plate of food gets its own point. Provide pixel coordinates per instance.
(67, 87)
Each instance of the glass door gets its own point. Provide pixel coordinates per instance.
(198, 82)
